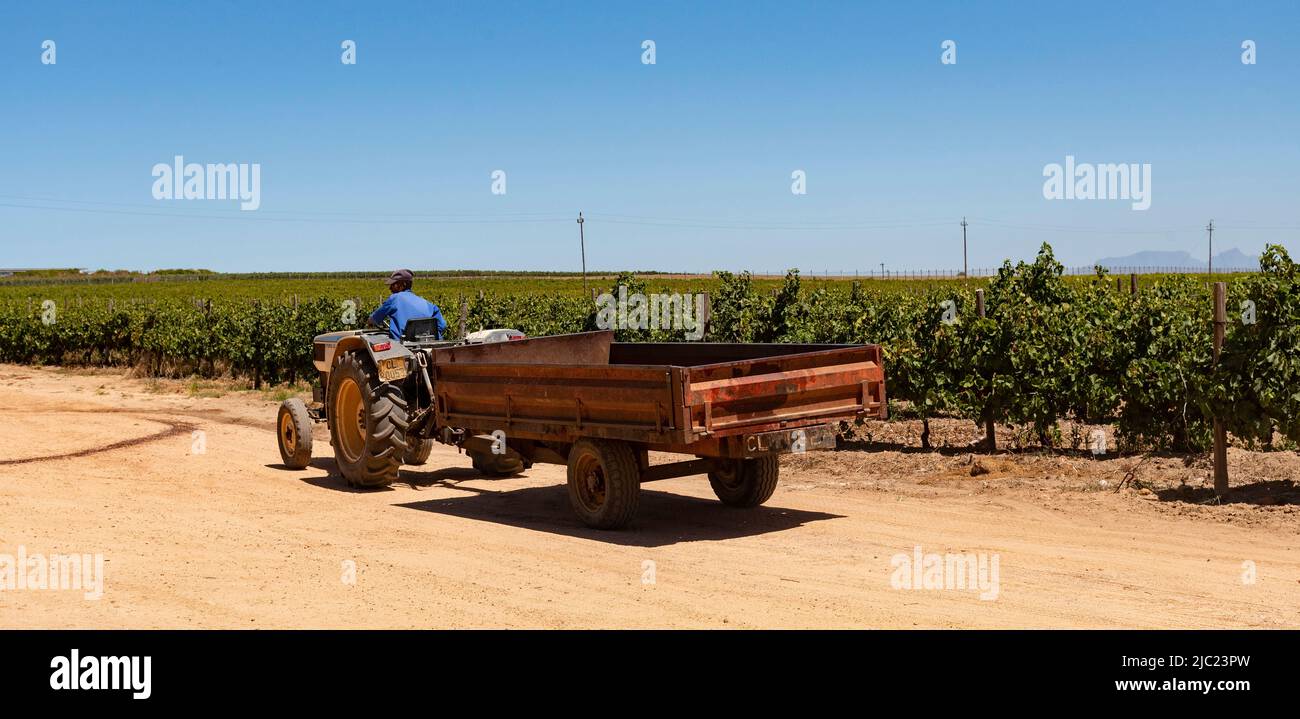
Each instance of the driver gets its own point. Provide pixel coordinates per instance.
(404, 305)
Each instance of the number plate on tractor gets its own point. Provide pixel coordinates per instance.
(391, 370)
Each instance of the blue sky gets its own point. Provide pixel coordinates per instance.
(681, 165)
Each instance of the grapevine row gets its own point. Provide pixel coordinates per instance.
(1045, 348)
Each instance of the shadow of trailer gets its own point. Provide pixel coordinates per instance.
(600, 407)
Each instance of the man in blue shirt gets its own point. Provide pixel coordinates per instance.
(404, 305)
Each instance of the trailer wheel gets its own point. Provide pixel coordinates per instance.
(604, 482)
(745, 482)
(293, 430)
(367, 424)
(417, 451)
(497, 465)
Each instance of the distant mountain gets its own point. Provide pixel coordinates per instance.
(1181, 259)
(1235, 258)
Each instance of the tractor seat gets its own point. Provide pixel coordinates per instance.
(420, 328)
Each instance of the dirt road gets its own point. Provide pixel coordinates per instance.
(200, 527)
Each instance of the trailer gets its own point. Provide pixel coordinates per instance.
(601, 407)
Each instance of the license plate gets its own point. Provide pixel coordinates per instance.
(391, 370)
(794, 441)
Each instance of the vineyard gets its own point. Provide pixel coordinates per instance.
(1047, 347)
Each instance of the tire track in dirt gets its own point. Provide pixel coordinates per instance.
(217, 416)
(174, 428)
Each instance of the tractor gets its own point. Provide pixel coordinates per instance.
(376, 395)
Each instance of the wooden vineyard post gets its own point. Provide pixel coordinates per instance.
(1132, 283)
(706, 312)
(257, 352)
(1220, 433)
(464, 317)
(990, 429)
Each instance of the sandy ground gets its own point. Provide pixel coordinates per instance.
(207, 530)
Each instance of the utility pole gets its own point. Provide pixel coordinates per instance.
(582, 242)
(963, 247)
(882, 270)
(1210, 229)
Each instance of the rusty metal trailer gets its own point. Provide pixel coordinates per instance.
(600, 407)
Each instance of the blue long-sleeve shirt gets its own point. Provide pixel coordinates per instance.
(401, 307)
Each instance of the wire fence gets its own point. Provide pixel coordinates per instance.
(909, 274)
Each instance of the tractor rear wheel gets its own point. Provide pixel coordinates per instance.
(604, 482)
(745, 482)
(367, 422)
(293, 427)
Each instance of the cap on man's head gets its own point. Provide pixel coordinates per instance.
(400, 276)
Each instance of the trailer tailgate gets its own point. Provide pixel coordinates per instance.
(790, 390)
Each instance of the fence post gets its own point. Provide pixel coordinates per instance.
(1220, 433)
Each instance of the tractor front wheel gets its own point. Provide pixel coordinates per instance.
(293, 427)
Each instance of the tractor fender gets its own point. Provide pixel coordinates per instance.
(368, 344)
